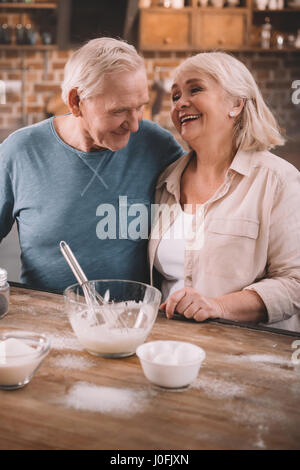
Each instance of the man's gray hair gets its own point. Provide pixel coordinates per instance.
(86, 68)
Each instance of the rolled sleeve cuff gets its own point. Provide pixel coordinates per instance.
(279, 306)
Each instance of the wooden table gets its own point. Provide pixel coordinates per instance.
(246, 395)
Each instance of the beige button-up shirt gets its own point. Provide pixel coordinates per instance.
(247, 235)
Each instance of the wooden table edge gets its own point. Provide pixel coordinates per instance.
(178, 317)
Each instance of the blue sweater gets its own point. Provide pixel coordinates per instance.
(98, 202)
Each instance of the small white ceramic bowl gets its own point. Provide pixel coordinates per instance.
(170, 364)
(21, 355)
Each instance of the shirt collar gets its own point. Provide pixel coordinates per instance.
(172, 175)
(241, 163)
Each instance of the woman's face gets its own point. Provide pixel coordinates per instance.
(200, 108)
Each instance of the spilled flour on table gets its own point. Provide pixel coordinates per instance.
(270, 370)
(72, 361)
(219, 388)
(260, 358)
(106, 400)
(260, 443)
(30, 310)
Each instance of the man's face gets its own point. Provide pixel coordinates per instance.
(108, 119)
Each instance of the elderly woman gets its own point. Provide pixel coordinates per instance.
(226, 240)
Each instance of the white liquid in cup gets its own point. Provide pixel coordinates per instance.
(108, 339)
(18, 361)
(101, 339)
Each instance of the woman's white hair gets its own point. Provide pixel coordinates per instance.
(86, 68)
(255, 127)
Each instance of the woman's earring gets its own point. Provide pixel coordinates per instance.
(231, 113)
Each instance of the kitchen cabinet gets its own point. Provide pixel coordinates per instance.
(165, 29)
(226, 30)
(195, 27)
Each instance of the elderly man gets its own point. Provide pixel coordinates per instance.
(87, 177)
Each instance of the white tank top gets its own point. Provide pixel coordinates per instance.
(169, 259)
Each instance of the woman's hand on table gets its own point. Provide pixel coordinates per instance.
(243, 306)
(191, 304)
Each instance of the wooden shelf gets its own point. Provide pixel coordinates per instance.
(29, 6)
(284, 10)
(223, 10)
(156, 9)
(230, 49)
(228, 9)
(189, 9)
(271, 49)
(258, 49)
(16, 47)
(20, 8)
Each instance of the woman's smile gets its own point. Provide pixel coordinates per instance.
(188, 118)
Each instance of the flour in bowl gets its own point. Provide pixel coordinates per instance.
(17, 361)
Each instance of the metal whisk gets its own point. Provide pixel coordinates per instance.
(92, 297)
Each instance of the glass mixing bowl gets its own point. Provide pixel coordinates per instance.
(117, 327)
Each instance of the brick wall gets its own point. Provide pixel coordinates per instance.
(31, 79)
(36, 76)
